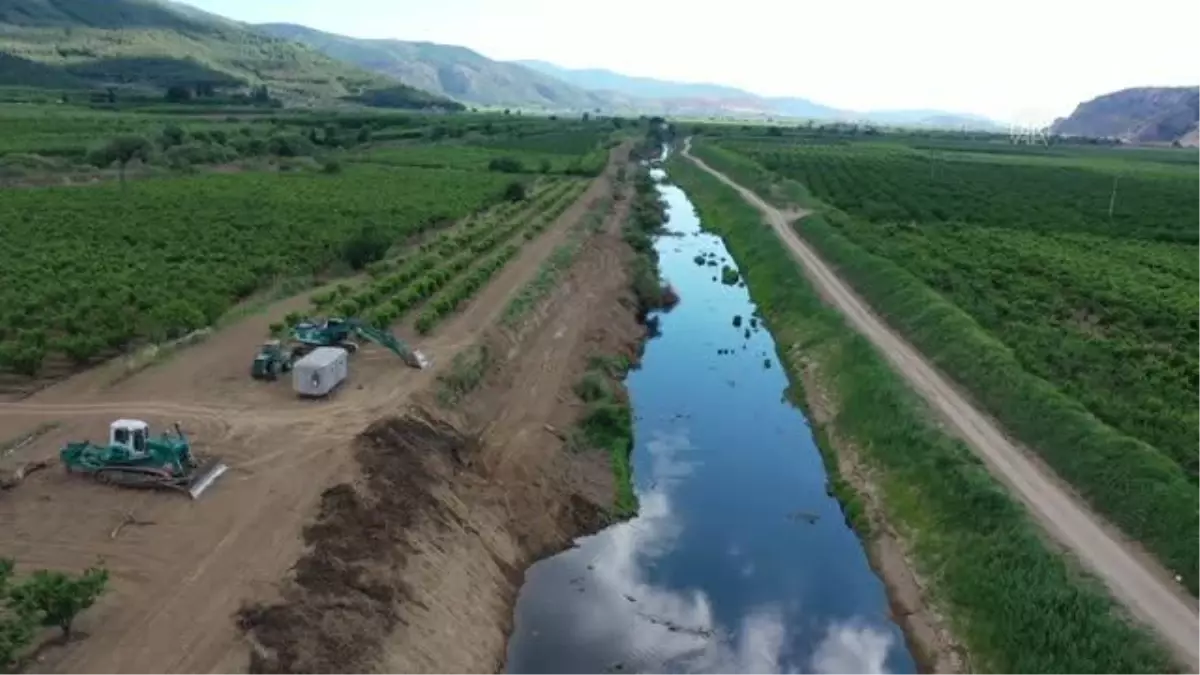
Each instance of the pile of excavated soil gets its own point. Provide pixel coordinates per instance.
(343, 599)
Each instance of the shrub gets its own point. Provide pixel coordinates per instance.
(506, 165)
(515, 192)
(593, 387)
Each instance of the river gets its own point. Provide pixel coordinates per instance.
(738, 561)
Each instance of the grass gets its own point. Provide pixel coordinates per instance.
(467, 370)
(555, 266)
(1017, 605)
(607, 424)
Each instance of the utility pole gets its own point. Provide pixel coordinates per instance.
(1112, 200)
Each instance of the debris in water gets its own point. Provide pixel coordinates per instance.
(766, 364)
(807, 516)
(676, 628)
(747, 334)
(729, 276)
(699, 260)
(737, 320)
(754, 323)
(630, 598)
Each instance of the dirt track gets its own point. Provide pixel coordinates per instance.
(176, 583)
(1144, 587)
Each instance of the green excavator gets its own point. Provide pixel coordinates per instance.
(134, 458)
(274, 358)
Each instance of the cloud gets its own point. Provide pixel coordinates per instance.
(852, 647)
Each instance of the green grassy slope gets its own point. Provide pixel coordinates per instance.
(455, 72)
(151, 45)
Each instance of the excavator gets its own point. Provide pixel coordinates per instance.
(274, 358)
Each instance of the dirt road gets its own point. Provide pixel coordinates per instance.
(176, 582)
(1143, 587)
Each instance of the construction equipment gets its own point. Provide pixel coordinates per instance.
(338, 332)
(272, 360)
(133, 458)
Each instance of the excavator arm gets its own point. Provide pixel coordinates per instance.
(411, 357)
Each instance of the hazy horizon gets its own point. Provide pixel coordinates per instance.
(1026, 60)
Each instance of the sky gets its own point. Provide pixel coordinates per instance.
(1012, 60)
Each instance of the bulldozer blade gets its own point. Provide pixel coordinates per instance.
(205, 479)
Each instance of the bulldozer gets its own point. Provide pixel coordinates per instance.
(133, 458)
(338, 332)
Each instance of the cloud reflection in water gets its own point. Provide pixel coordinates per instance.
(625, 620)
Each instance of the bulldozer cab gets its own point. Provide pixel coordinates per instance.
(131, 435)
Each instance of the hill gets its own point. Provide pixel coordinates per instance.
(1137, 115)
(144, 44)
(455, 72)
(598, 79)
(683, 98)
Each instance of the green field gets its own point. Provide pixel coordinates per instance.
(174, 247)
(1078, 330)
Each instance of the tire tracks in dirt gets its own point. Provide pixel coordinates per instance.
(1137, 582)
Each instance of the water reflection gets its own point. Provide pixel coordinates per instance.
(717, 573)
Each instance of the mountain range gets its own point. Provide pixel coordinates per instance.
(467, 76)
(146, 45)
(1137, 115)
(152, 45)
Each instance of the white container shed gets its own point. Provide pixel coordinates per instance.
(321, 371)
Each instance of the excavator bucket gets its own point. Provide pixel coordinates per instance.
(417, 360)
(204, 477)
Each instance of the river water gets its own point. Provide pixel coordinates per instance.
(738, 560)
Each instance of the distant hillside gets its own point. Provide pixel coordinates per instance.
(684, 98)
(1139, 115)
(597, 79)
(154, 45)
(454, 72)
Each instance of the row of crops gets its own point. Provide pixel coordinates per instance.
(440, 275)
(1111, 322)
(1082, 343)
(482, 158)
(86, 271)
(881, 185)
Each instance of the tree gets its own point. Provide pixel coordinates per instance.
(122, 150)
(173, 135)
(366, 247)
(16, 624)
(515, 191)
(177, 93)
(57, 598)
(506, 165)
